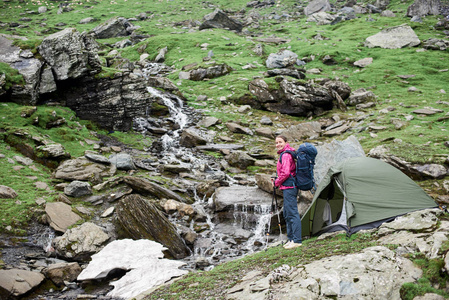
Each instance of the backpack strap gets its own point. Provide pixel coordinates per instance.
(292, 153)
(291, 181)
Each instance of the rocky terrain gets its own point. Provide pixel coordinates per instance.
(111, 219)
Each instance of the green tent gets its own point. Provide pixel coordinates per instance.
(362, 193)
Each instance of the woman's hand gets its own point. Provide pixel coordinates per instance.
(272, 182)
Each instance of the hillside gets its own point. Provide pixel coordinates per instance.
(393, 99)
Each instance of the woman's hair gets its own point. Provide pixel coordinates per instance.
(282, 137)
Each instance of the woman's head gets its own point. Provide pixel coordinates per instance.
(281, 141)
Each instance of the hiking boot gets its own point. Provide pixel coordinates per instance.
(288, 243)
(292, 245)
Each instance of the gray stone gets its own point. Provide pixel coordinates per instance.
(240, 159)
(282, 59)
(140, 219)
(83, 169)
(190, 138)
(80, 242)
(219, 19)
(47, 83)
(422, 8)
(364, 62)
(236, 128)
(122, 161)
(265, 132)
(316, 6)
(227, 198)
(78, 189)
(146, 187)
(70, 54)
(394, 38)
(299, 132)
(361, 96)
(16, 282)
(321, 18)
(97, 158)
(113, 27)
(336, 151)
(7, 193)
(62, 272)
(209, 122)
(60, 216)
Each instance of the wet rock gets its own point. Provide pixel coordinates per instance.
(175, 168)
(70, 54)
(60, 272)
(60, 216)
(82, 169)
(78, 189)
(227, 198)
(122, 161)
(394, 38)
(219, 19)
(16, 282)
(80, 242)
(146, 187)
(190, 138)
(140, 219)
(143, 259)
(7, 193)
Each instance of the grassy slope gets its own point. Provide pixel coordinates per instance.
(422, 137)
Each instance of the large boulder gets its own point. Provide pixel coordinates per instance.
(70, 54)
(219, 19)
(422, 8)
(393, 38)
(292, 97)
(16, 282)
(114, 102)
(334, 152)
(141, 219)
(230, 198)
(80, 242)
(62, 272)
(301, 131)
(143, 262)
(83, 169)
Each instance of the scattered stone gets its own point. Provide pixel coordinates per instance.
(60, 216)
(77, 189)
(7, 193)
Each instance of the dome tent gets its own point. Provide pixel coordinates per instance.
(362, 193)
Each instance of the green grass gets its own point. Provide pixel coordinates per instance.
(12, 76)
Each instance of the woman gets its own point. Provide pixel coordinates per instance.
(286, 171)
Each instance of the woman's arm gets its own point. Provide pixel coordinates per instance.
(285, 169)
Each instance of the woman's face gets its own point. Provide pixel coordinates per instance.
(280, 143)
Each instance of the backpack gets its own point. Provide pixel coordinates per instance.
(305, 161)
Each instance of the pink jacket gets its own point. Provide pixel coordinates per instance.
(287, 168)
